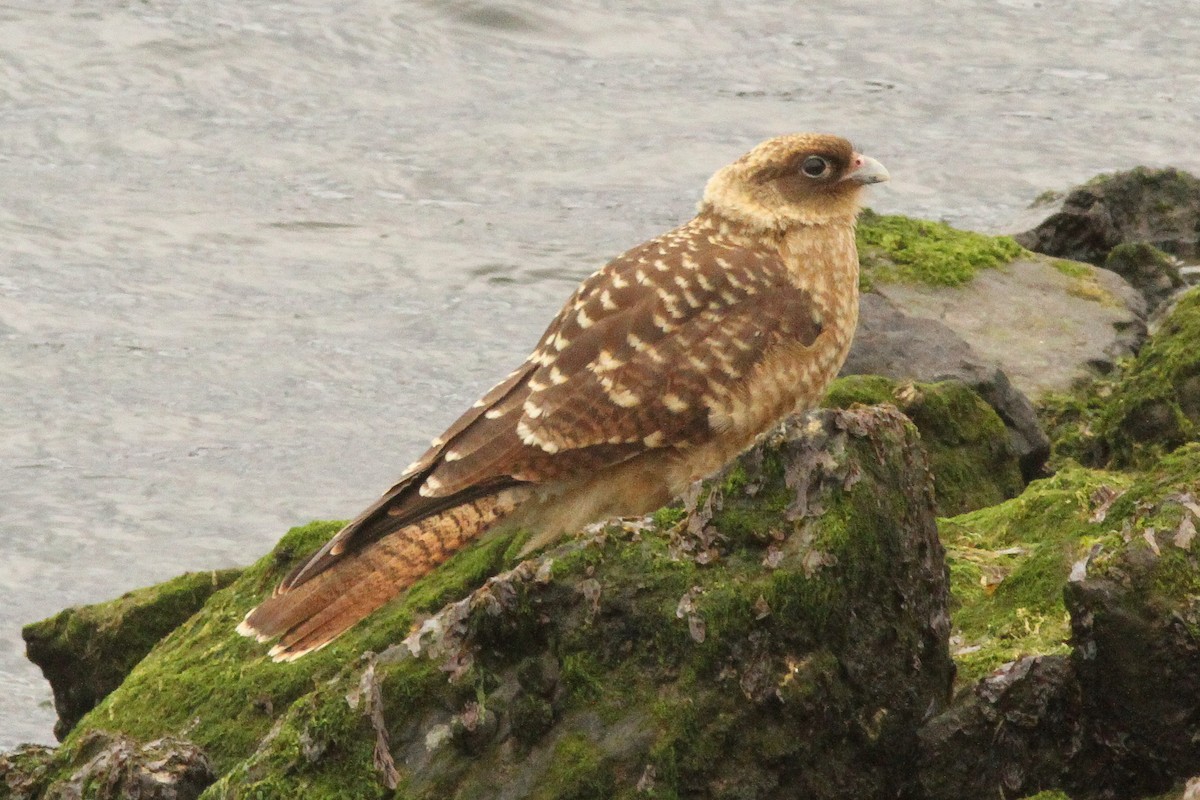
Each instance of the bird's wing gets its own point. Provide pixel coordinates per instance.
(636, 360)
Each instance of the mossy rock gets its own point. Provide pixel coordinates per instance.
(970, 451)
(902, 249)
(981, 288)
(87, 651)
(1009, 564)
(1160, 207)
(1135, 614)
(1149, 408)
(1149, 270)
(1078, 605)
(784, 631)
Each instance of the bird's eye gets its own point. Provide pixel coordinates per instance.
(814, 167)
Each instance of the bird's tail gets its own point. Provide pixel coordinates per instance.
(311, 613)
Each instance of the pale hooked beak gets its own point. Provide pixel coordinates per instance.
(866, 170)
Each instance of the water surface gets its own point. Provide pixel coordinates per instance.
(253, 255)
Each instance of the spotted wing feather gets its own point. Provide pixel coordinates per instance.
(635, 360)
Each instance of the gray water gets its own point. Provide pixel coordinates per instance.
(253, 255)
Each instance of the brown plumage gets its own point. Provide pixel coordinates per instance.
(663, 366)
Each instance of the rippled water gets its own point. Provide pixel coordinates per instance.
(253, 255)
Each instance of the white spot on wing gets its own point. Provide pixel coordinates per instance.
(606, 362)
(533, 440)
(623, 398)
(663, 324)
(532, 410)
(674, 403)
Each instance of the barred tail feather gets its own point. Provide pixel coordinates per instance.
(312, 613)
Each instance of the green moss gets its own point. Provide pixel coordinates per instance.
(970, 452)
(867, 390)
(901, 249)
(1071, 421)
(578, 772)
(1072, 269)
(1167, 573)
(1009, 564)
(1048, 795)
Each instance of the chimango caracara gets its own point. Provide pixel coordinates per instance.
(661, 368)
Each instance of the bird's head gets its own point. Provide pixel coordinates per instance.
(797, 179)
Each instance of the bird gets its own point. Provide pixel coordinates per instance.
(661, 368)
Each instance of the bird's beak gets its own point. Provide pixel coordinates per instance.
(866, 170)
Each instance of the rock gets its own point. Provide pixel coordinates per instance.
(114, 767)
(24, 772)
(1160, 207)
(895, 345)
(86, 652)
(783, 633)
(1013, 733)
(106, 766)
(1148, 269)
(1047, 324)
(970, 453)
